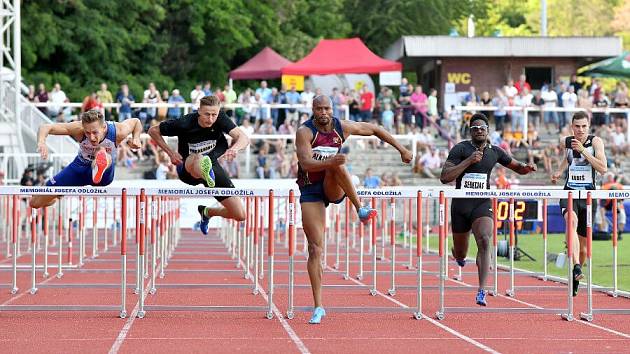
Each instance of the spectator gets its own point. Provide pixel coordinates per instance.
(500, 101)
(125, 99)
(609, 183)
(267, 127)
(220, 95)
(31, 96)
(522, 84)
(195, 96)
(263, 163)
(207, 89)
(575, 83)
(42, 96)
(230, 167)
(105, 96)
(92, 102)
(306, 98)
(246, 126)
(337, 100)
(471, 98)
(57, 97)
(537, 103)
(501, 180)
(404, 86)
(292, 97)
(165, 169)
(177, 99)
(27, 177)
(600, 100)
(551, 99)
(510, 90)
(264, 91)
(366, 104)
(230, 98)
(429, 164)
(433, 105)
(387, 118)
(620, 144)
(287, 128)
(274, 98)
(420, 102)
(354, 107)
(407, 107)
(151, 95)
(395, 180)
(569, 100)
(371, 181)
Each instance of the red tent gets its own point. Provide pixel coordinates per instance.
(267, 64)
(341, 56)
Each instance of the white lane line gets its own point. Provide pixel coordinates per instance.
(127, 327)
(432, 321)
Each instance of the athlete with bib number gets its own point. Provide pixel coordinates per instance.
(584, 155)
(470, 164)
(323, 179)
(201, 143)
(98, 141)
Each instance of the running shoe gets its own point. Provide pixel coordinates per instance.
(317, 316)
(460, 262)
(205, 165)
(366, 214)
(99, 166)
(481, 298)
(203, 225)
(577, 276)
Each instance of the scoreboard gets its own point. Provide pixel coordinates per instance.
(524, 210)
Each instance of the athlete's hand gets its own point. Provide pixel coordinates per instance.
(43, 150)
(229, 155)
(337, 160)
(406, 156)
(577, 145)
(475, 157)
(176, 158)
(555, 177)
(530, 167)
(135, 143)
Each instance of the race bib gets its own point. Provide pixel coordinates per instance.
(202, 148)
(580, 177)
(324, 152)
(474, 181)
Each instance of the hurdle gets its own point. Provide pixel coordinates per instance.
(15, 192)
(173, 239)
(566, 313)
(602, 194)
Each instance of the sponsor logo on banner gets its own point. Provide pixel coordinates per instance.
(507, 193)
(369, 193)
(206, 191)
(61, 190)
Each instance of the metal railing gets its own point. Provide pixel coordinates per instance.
(13, 173)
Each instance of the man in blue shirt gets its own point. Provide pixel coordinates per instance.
(174, 112)
(371, 181)
(125, 99)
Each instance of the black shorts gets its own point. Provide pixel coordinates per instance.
(221, 179)
(465, 211)
(315, 193)
(579, 208)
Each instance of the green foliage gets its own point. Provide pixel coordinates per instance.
(176, 43)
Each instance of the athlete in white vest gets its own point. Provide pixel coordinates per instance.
(584, 155)
(98, 142)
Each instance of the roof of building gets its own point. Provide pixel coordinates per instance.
(447, 46)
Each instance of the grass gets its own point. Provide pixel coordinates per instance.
(533, 245)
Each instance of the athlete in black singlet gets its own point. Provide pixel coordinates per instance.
(584, 155)
(470, 164)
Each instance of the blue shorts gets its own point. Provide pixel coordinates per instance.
(79, 173)
(315, 193)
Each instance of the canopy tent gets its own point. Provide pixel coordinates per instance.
(267, 64)
(618, 66)
(341, 56)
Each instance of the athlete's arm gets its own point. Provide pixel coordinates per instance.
(367, 129)
(563, 165)
(73, 129)
(304, 151)
(520, 167)
(451, 170)
(156, 135)
(131, 126)
(240, 142)
(598, 161)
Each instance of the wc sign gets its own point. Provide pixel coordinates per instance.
(458, 78)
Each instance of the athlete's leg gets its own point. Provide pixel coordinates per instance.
(201, 167)
(460, 245)
(337, 182)
(583, 250)
(231, 208)
(41, 201)
(192, 165)
(482, 229)
(313, 221)
(574, 238)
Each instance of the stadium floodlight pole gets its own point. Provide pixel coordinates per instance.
(569, 235)
(392, 242)
(418, 314)
(291, 228)
(270, 254)
(123, 253)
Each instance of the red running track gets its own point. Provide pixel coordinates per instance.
(227, 332)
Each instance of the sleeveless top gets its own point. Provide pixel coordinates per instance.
(325, 145)
(87, 150)
(581, 175)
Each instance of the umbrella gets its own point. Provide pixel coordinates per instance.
(618, 66)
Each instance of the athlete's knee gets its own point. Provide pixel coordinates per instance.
(483, 242)
(239, 214)
(314, 251)
(35, 203)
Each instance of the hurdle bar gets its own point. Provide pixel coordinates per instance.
(193, 192)
(15, 191)
(600, 194)
(566, 313)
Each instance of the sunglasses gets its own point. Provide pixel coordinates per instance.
(479, 127)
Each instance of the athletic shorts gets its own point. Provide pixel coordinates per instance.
(465, 211)
(315, 193)
(221, 179)
(579, 208)
(79, 173)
